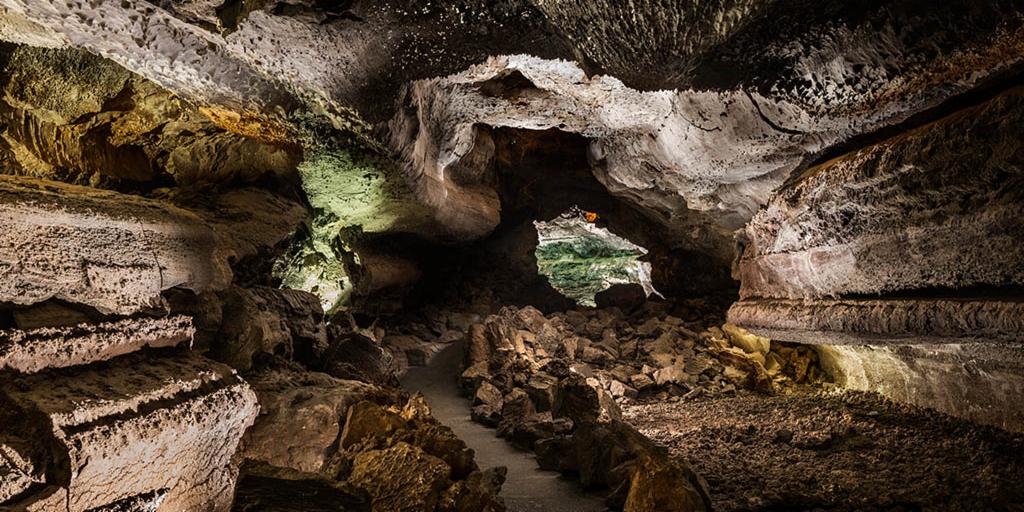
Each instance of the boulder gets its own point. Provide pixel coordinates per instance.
(542, 388)
(584, 401)
(597, 355)
(302, 415)
(742, 338)
(477, 346)
(369, 423)
(625, 296)
(269, 320)
(658, 485)
(425, 432)
(409, 350)
(473, 376)
(489, 395)
(477, 493)
(641, 381)
(401, 478)
(354, 356)
(673, 374)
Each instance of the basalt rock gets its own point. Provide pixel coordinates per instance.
(259, 320)
(111, 251)
(302, 416)
(115, 432)
(31, 351)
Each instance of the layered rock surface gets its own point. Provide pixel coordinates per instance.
(135, 426)
(111, 251)
(904, 254)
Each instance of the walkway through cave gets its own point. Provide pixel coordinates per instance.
(527, 488)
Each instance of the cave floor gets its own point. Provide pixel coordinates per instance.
(836, 450)
(526, 488)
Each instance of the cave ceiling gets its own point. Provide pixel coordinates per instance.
(694, 112)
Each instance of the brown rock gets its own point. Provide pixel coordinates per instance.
(674, 374)
(477, 347)
(477, 493)
(641, 381)
(302, 415)
(658, 485)
(59, 347)
(367, 422)
(268, 320)
(542, 388)
(402, 478)
(596, 355)
(584, 401)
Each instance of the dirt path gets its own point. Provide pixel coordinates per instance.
(527, 488)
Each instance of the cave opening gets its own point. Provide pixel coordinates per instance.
(580, 258)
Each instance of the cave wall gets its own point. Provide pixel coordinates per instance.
(903, 262)
(935, 211)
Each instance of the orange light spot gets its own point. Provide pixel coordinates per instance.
(590, 216)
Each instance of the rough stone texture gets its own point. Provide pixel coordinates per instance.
(35, 350)
(249, 221)
(836, 451)
(878, 321)
(140, 424)
(301, 417)
(402, 478)
(270, 321)
(111, 251)
(982, 382)
(938, 207)
(699, 162)
(761, 90)
(79, 118)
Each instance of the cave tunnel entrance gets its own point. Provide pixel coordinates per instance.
(580, 258)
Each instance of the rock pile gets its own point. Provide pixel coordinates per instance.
(650, 353)
(374, 457)
(551, 384)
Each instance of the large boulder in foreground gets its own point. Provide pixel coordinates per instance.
(301, 418)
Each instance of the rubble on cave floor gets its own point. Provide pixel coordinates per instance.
(757, 420)
(835, 450)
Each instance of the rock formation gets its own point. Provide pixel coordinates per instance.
(228, 229)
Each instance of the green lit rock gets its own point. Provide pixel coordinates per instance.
(360, 190)
(318, 264)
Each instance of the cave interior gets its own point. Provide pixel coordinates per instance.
(511, 255)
